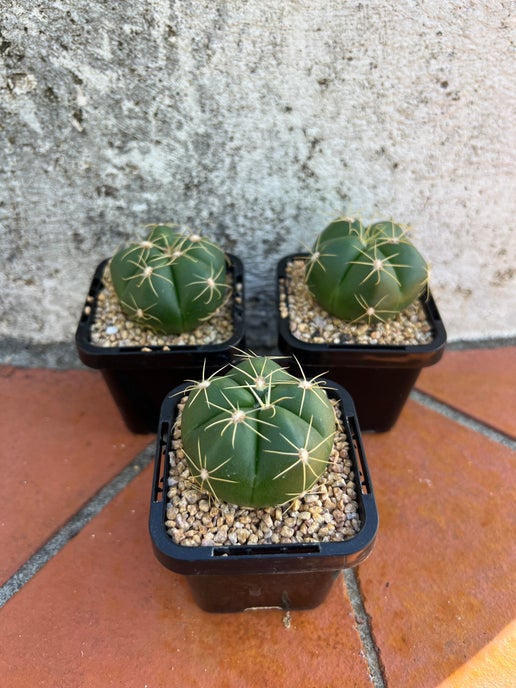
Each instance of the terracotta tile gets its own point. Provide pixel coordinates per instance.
(479, 382)
(494, 665)
(105, 612)
(62, 439)
(440, 583)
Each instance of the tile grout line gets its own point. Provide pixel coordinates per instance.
(463, 419)
(369, 647)
(102, 498)
(74, 525)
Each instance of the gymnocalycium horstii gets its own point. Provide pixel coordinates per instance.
(171, 281)
(365, 273)
(257, 436)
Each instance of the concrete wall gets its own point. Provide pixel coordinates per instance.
(256, 122)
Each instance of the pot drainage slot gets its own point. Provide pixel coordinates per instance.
(358, 450)
(160, 462)
(260, 550)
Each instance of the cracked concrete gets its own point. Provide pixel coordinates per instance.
(256, 123)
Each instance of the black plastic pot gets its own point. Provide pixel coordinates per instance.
(289, 576)
(139, 380)
(378, 377)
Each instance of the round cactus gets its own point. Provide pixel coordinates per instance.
(365, 273)
(169, 282)
(257, 436)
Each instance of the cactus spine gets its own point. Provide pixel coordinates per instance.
(257, 436)
(365, 273)
(169, 282)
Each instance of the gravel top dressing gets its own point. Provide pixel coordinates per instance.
(327, 512)
(310, 323)
(111, 327)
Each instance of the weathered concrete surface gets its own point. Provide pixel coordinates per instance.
(256, 122)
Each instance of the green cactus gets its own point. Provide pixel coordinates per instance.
(257, 436)
(365, 273)
(169, 282)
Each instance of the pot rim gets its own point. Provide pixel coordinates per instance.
(96, 356)
(263, 558)
(402, 355)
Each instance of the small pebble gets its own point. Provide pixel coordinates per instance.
(327, 513)
(111, 328)
(308, 321)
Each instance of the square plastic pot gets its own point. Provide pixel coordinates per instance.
(378, 377)
(139, 380)
(289, 576)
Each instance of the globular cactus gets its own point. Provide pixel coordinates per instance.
(169, 282)
(257, 436)
(365, 273)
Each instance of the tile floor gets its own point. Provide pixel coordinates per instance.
(85, 603)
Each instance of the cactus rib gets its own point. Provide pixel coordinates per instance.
(265, 432)
(353, 269)
(170, 281)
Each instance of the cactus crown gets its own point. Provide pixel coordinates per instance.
(169, 282)
(365, 273)
(257, 436)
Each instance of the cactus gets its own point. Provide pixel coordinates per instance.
(365, 273)
(169, 282)
(257, 436)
